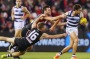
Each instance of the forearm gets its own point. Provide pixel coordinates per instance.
(39, 18)
(58, 35)
(59, 17)
(62, 23)
(56, 18)
(12, 16)
(54, 25)
(28, 15)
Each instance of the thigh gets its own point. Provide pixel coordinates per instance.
(72, 30)
(17, 33)
(22, 52)
(21, 43)
(11, 40)
(73, 36)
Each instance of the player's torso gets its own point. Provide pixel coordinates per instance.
(33, 36)
(18, 13)
(48, 24)
(72, 21)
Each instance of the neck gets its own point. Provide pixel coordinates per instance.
(17, 6)
(40, 30)
(46, 14)
(74, 13)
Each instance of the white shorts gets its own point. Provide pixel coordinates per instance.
(19, 24)
(71, 29)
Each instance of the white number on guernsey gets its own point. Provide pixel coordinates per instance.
(33, 35)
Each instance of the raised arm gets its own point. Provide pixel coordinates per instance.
(54, 25)
(34, 25)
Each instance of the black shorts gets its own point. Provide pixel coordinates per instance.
(21, 43)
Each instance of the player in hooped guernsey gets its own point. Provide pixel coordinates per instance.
(19, 14)
(73, 17)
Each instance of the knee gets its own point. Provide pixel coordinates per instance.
(29, 48)
(22, 53)
(76, 41)
(71, 45)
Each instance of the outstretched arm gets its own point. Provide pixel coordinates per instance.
(57, 17)
(45, 35)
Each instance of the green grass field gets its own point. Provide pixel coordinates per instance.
(49, 55)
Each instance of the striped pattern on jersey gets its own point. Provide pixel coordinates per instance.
(72, 21)
(18, 13)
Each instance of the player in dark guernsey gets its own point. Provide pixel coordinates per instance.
(36, 33)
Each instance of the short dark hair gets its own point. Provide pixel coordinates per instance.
(45, 7)
(76, 7)
(41, 25)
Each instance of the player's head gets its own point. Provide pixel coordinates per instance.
(41, 26)
(47, 10)
(18, 2)
(77, 8)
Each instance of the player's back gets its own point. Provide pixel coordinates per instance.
(33, 36)
(25, 29)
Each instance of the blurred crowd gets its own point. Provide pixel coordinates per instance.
(35, 7)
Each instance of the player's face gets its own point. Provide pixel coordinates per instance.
(48, 11)
(18, 2)
(79, 11)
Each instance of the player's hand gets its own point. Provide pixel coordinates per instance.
(23, 18)
(64, 34)
(51, 29)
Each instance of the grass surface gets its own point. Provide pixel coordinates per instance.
(49, 55)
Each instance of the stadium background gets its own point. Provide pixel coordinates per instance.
(35, 8)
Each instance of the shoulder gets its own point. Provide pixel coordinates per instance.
(33, 29)
(23, 7)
